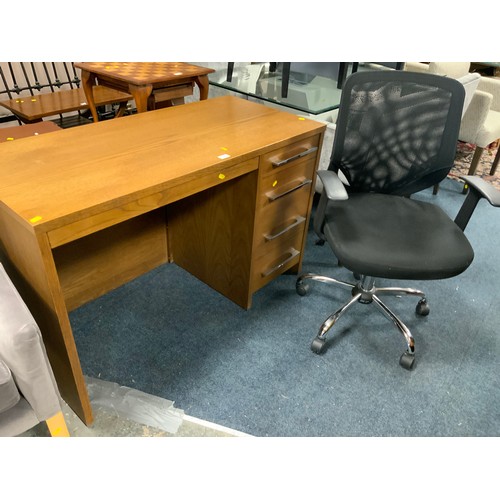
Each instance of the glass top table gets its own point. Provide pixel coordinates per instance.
(310, 93)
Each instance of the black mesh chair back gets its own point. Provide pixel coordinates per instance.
(390, 138)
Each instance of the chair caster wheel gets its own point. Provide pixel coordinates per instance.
(301, 288)
(407, 360)
(422, 308)
(318, 345)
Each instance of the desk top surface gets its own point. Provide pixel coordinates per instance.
(143, 73)
(53, 179)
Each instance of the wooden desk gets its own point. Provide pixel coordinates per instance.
(171, 81)
(221, 187)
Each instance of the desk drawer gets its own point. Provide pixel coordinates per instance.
(279, 159)
(279, 256)
(283, 215)
(280, 236)
(283, 184)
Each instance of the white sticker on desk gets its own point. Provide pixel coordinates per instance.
(223, 157)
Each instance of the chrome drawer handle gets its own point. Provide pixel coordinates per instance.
(292, 254)
(298, 220)
(274, 196)
(295, 157)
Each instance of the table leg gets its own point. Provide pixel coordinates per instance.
(202, 82)
(141, 94)
(121, 109)
(88, 82)
(495, 162)
(285, 79)
(342, 74)
(230, 69)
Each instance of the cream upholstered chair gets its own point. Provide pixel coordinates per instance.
(450, 69)
(28, 390)
(480, 124)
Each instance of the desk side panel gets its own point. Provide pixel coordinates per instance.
(29, 261)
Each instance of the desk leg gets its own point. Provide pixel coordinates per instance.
(88, 82)
(141, 94)
(32, 268)
(203, 84)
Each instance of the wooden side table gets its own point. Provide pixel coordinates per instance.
(147, 82)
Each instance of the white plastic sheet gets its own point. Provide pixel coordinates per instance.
(134, 405)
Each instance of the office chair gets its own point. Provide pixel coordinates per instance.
(396, 135)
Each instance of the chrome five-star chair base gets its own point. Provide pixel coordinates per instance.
(365, 292)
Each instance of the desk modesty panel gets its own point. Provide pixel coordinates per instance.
(222, 187)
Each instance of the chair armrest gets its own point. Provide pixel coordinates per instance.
(478, 189)
(475, 116)
(491, 86)
(485, 189)
(333, 187)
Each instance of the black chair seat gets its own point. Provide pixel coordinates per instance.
(389, 236)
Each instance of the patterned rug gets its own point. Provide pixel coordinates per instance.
(463, 159)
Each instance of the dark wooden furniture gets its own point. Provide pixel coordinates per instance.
(222, 187)
(152, 84)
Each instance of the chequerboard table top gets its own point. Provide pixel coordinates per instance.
(141, 73)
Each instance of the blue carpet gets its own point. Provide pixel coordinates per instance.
(170, 335)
